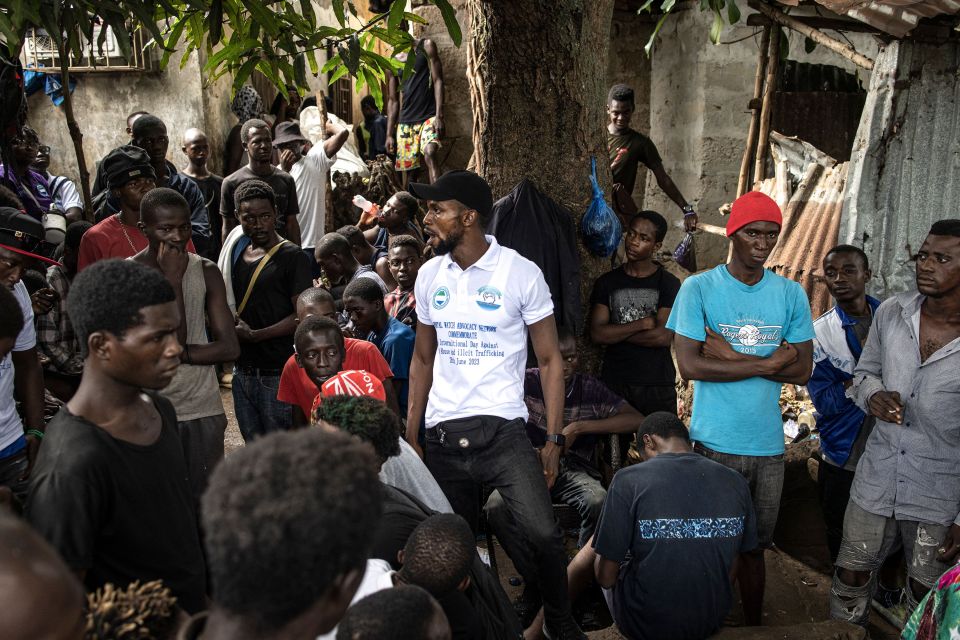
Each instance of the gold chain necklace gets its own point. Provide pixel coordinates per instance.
(123, 228)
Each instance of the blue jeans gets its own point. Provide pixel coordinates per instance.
(508, 464)
(574, 487)
(256, 405)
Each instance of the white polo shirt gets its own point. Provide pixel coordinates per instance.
(10, 426)
(480, 315)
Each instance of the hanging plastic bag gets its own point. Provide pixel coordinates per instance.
(685, 254)
(600, 226)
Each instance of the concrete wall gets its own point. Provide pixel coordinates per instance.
(699, 118)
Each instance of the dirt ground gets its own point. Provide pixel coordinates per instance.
(798, 578)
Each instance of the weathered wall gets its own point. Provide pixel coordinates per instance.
(699, 117)
(102, 102)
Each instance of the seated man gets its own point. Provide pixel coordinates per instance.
(63, 191)
(31, 187)
(363, 251)
(382, 614)
(363, 302)
(405, 259)
(670, 535)
(296, 387)
(289, 520)
(109, 490)
(395, 219)
(590, 408)
(335, 257)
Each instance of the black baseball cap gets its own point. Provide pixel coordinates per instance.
(22, 234)
(126, 163)
(465, 187)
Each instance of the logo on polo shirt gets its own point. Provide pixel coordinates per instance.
(441, 298)
(489, 298)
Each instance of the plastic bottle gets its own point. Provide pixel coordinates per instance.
(370, 211)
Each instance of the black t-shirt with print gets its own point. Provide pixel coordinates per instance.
(118, 510)
(630, 299)
(283, 278)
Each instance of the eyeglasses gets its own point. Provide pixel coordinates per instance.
(44, 149)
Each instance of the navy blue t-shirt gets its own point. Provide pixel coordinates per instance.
(676, 523)
(396, 345)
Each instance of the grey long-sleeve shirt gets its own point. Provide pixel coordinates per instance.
(909, 471)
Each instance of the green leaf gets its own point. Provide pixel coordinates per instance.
(396, 14)
(338, 11)
(312, 60)
(354, 45)
(716, 29)
(408, 66)
(375, 89)
(733, 12)
(809, 45)
(300, 69)
(262, 16)
(646, 6)
(450, 19)
(243, 73)
(170, 44)
(653, 36)
(215, 22)
(330, 64)
(336, 75)
(415, 17)
(667, 5)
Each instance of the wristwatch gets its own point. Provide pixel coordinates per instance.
(557, 438)
(688, 210)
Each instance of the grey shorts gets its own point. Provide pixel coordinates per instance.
(764, 474)
(868, 539)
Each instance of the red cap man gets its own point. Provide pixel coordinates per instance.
(753, 207)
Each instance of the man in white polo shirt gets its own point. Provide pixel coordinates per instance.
(476, 304)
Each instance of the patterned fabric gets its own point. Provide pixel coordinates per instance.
(402, 305)
(55, 336)
(247, 104)
(690, 528)
(411, 139)
(937, 617)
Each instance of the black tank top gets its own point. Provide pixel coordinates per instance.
(418, 101)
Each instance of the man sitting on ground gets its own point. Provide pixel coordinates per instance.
(62, 189)
(590, 408)
(288, 521)
(341, 267)
(395, 219)
(405, 259)
(202, 302)
(110, 489)
(363, 302)
(296, 387)
(363, 251)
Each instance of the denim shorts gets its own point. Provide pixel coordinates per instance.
(764, 474)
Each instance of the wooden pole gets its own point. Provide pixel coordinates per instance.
(816, 35)
(74, 130)
(744, 180)
(773, 66)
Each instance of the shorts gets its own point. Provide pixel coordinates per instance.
(764, 474)
(411, 139)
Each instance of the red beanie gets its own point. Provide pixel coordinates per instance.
(354, 383)
(753, 207)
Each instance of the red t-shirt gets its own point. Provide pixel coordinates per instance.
(298, 389)
(107, 240)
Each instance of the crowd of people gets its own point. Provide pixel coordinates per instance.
(379, 377)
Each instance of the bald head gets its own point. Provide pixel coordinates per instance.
(193, 135)
(197, 150)
(41, 597)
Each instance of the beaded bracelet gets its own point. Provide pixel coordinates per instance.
(36, 433)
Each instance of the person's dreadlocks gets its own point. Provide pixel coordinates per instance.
(139, 612)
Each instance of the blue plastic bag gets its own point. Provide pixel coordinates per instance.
(600, 226)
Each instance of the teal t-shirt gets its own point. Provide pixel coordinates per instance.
(743, 417)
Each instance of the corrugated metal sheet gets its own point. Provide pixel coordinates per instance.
(905, 168)
(809, 188)
(896, 17)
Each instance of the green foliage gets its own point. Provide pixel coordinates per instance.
(279, 38)
(717, 7)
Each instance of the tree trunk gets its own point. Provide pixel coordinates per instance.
(537, 71)
(75, 133)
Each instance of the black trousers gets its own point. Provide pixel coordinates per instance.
(833, 485)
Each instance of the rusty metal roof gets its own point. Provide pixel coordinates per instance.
(896, 17)
(905, 167)
(809, 187)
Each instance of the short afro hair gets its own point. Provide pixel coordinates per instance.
(663, 424)
(409, 202)
(33, 280)
(333, 244)
(75, 231)
(369, 102)
(284, 517)
(315, 295)
(144, 123)
(402, 613)
(946, 227)
(364, 288)
(353, 235)
(253, 190)
(252, 123)
(620, 93)
(319, 324)
(11, 315)
(161, 197)
(109, 295)
(439, 553)
(366, 418)
(406, 241)
(658, 221)
(849, 248)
